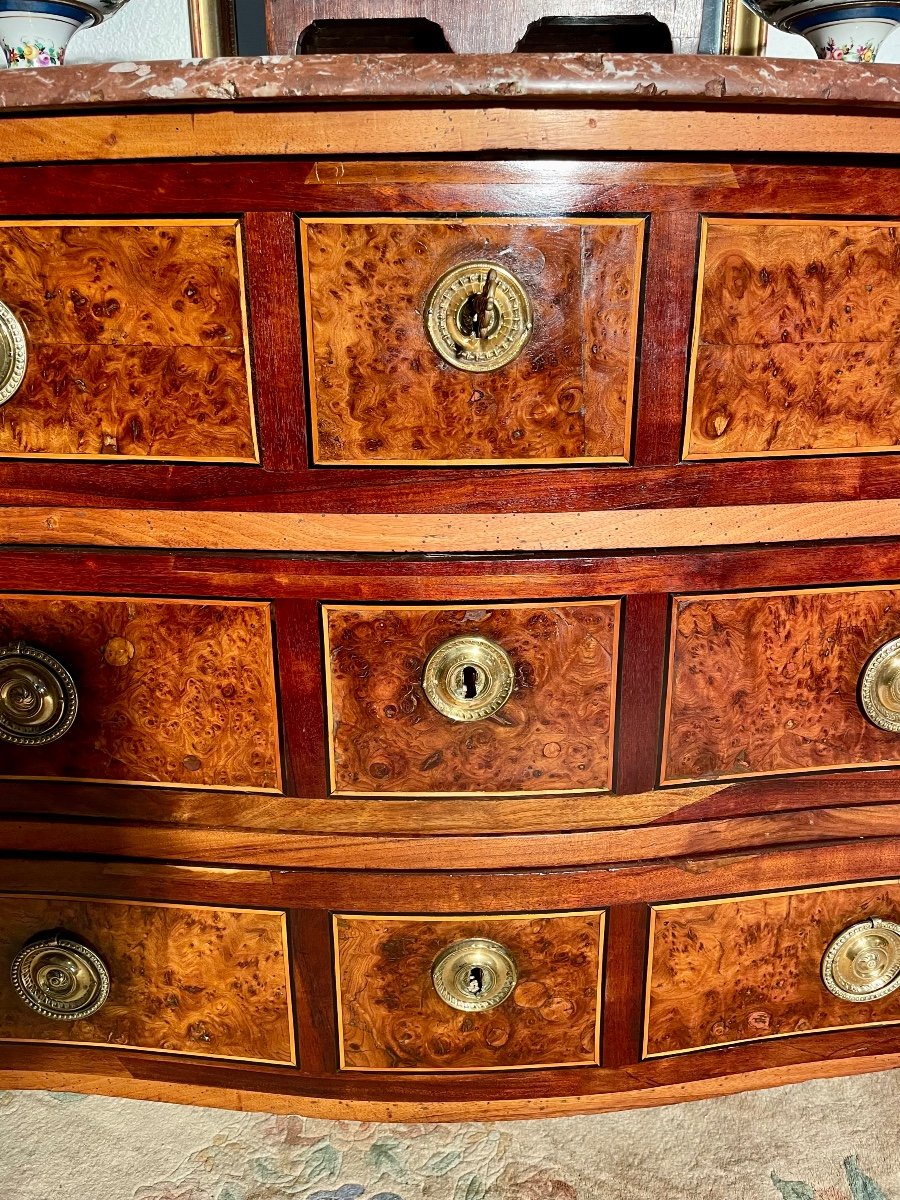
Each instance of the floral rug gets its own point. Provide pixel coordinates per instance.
(829, 1140)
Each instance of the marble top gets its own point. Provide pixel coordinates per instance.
(456, 79)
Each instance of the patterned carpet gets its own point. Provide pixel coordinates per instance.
(832, 1140)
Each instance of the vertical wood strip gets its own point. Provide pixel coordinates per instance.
(301, 690)
(270, 249)
(313, 987)
(668, 289)
(626, 944)
(642, 676)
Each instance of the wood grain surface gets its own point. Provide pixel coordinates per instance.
(796, 348)
(173, 692)
(734, 970)
(555, 733)
(381, 392)
(391, 1016)
(135, 339)
(186, 980)
(767, 683)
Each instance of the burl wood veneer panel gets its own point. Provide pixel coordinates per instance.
(136, 341)
(382, 394)
(172, 692)
(725, 971)
(796, 344)
(391, 1016)
(555, 733)
(766, 683)
(185, 980)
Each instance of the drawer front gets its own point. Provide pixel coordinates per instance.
(767, 683)
(553, 734)
(795, 339)
(382, 393)
(135, 337)
(545, 981)
(183, 979)
(724, 971)
(168, 691)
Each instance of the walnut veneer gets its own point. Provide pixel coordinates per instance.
(260, 471)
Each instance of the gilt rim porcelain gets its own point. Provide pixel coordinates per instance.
(852, 31)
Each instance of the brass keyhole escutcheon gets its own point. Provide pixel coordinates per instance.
(13, 354)
(474, 975)
(60, 977)
(468, 678)
(863, 963)
(879, 687)
(38, 700)
(478, 316)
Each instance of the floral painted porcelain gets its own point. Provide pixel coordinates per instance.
(35, 33)
(850, 32)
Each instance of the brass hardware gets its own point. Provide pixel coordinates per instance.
(879, 689)
(38, 701)
(468, 678)
(863, 962)
(478, 316)
(474, 975)
(13, 354)
(59, 977)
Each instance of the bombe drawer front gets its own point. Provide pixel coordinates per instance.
(490, 340)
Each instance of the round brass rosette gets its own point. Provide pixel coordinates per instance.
(478, 316)
(468, 678)
(863, 963)
(13, 354)
(60, 978)
(879, 687)
(474, 975)
(38, 700)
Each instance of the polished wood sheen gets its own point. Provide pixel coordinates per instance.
(392, 1017)
(381, 392)
(767, 683)
(136, 341)
(727, 971)
(796, 348)
(174, 692)
(553, 735)
(184, 979)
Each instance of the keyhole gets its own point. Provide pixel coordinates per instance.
(475, 984)
(470, 683)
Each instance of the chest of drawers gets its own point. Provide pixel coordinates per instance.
(449, 583)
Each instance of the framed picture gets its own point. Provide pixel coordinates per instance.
(213, 28)
(729, 27)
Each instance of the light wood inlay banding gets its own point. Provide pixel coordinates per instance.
(392, 1017)
(136, 340)
(381, 394)
(184, 979)
(554, 734)
(735, 970)
(170, 692)
(795, 343)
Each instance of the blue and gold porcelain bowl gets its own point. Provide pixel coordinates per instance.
(35, 33)
(851, 32)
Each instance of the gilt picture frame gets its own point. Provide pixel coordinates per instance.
(213, 28)
(729, 27)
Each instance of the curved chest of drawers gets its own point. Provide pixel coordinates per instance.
(449, 583)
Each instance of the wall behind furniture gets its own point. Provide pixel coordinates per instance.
(143, 29)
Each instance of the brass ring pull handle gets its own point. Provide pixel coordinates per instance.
(13, 354)
(60, 977)
(474, 975)
(879, 687)
(468, 678)
(863, 962)
(38, 700)
(478, 316)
